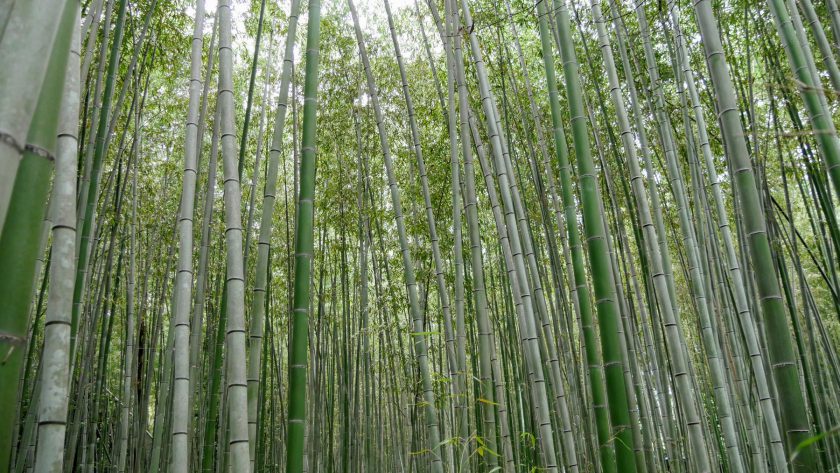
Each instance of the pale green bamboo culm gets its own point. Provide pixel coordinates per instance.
(55, 384)
(236, 389)
(182, 289)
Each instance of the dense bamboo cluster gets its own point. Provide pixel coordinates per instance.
(445, 236)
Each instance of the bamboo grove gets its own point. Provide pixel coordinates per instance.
(409, 236)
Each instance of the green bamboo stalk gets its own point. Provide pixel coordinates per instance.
(255, 172)
(216, 369)
(655, 344)
(740, 297)
(461, 419)
(578, 277)
(822, 43)
(834, 15)
(88, 138)
(303, 250)
(89, 29)
(595, 233)
(201, 277)
(780, 349)
(548, 349)
(522, 310)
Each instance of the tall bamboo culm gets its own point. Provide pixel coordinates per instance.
(298, 350)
